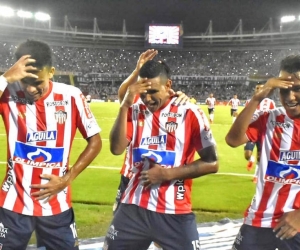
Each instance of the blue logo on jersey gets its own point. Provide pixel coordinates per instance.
(38, 156)
(155, 140)
(283, 173)
(165, 158)
(41, 136)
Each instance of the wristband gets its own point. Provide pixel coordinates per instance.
(3, 83)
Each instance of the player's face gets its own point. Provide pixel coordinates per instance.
(290, 98)
(35, 88)
(211, 96)
(156, 97)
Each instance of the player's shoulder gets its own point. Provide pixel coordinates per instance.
(63, 88)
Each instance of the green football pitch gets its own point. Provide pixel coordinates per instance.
(215, 196)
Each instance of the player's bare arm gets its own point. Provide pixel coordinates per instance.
(19, 70)
(144, 57)
(117, 137)
(56, 183)
(207, 164)
(236, 135)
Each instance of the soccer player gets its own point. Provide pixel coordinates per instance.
(234, 102)
(264, 106)
(40, 119)
(161, 139)
(211, 101)
(126, 168)
(272, 221)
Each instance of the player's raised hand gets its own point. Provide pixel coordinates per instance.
(21, 69)
(139, 87)
(144, 57)
(272, 84)
(182, 98)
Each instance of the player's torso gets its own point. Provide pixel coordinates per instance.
(165, 137)
(39, 140)
(279, 169)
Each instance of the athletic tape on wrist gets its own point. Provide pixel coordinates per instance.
(3, 83)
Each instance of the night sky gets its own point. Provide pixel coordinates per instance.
(195, 14)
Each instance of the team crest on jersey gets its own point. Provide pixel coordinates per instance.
(154, 140)
(283, 173)
(41, 136)
(171, 126)
(60, 116)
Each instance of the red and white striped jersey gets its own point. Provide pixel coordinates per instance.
(234, 103)
(210, 101)
(265, 105)
(39, 136)
(278, 186)
(170, 136)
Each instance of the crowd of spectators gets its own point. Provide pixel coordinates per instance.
(82, 61)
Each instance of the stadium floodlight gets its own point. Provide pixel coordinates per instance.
(287, 19)
(24, 14)
(42, 16)
(6, 11)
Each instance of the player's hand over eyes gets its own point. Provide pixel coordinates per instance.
(48, 190)
(139, 87)
(182, 98)
(271, 85)
(288, 225)
(20, 69)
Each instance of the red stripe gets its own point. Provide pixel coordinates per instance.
(41, 121)
(36, 179)
(268, 188)
(161, 198)
(21, 123)
(140, 125)
(155, 127)
(54, 203)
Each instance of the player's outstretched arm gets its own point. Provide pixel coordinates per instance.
(144, 57)
(237, 133)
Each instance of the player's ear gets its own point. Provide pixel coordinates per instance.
(51, 72)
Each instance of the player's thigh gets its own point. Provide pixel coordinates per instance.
(175, 232)
(57, 231)
(129, 229)
(250, 238)
(15, 230)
